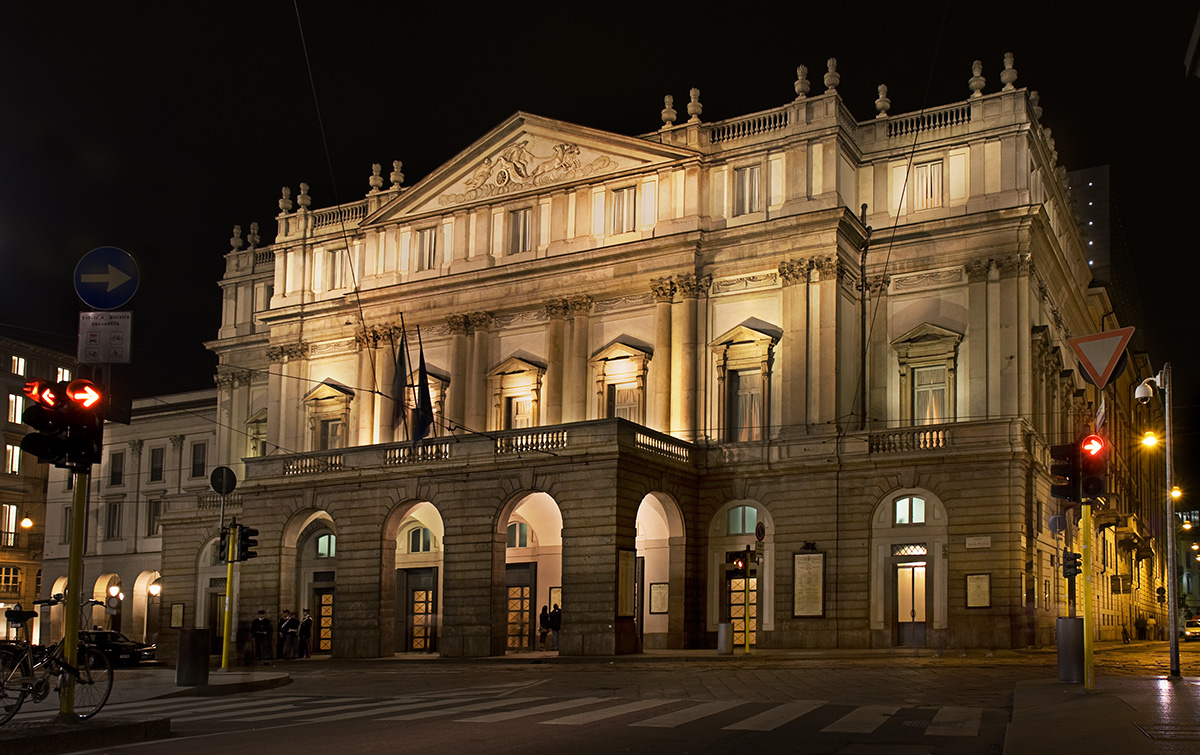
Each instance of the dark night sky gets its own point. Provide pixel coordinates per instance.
(156, 127)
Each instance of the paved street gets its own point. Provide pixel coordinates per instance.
(685, 703)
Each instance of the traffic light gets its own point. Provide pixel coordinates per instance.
(1093, 467)
(737, 562)
(47, 414)
(1070, 563)
(246, 543)
(223, 544)
(1162, 595)
(1064, 465)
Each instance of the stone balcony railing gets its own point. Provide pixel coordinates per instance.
(22, 541)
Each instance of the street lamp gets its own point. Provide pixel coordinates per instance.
(153, 591)
(1143, 393)
(26, 522)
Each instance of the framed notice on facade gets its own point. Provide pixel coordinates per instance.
(808, 589)
(979, 591)
(659, 592)
(556, 597)
(626, 560)
(176, 615)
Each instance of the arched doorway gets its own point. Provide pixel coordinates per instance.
(532, 529)
(316, 580)
(108, 590)
(211, 576)
(143, 602)
(747, 602)
(659, 572)
(909, 570)
(418, 565)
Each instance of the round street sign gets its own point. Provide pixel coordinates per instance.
(223, 480)
(106, 278)
(760, 532)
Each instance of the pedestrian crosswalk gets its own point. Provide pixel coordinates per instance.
(480, 707)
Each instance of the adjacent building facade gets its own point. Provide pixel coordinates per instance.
(839, 343)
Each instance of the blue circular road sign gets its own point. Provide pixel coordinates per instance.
(106, 278)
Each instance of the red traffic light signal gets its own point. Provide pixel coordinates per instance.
(44, 392)
(1093, 466)
(68, 421)
(84, 393)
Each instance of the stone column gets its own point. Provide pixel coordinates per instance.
(456, 394)
(556, 310)
(575, 390)
(794, 346)
(1010, 336)
(685, 341)
(878, 353)
(977, 338)
(663, 290)
(1025, 276)
(824, 386)
(385, 375)
(477, 398)
(364, 396)
(274, 399)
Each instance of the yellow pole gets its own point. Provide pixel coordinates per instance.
(71, 609)
(1085, 536)
(230, 555)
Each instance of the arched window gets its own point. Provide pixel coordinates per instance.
(909, 510)
(742, 520)
(327, 545)
(518, 535)
(420, 540)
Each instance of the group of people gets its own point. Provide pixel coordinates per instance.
(549, 623)
(293, 637)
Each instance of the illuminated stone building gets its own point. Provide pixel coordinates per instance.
(646, 353)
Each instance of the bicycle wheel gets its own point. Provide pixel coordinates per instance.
(12, 693)
(94, 682)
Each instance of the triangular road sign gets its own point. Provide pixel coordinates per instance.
(1100, 352)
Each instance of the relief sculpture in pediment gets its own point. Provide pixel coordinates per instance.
(517, 168)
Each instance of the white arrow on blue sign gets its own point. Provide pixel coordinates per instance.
(106, 278)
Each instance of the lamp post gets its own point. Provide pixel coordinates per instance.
(1143, 393)
(153, 592)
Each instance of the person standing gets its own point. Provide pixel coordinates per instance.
(291, 630)
(283, 619)
(543, 627)
(555, 626)
(306, 635)
(260, 630)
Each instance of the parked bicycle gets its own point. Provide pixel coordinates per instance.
(29, 671)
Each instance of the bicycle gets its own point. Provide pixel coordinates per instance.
(28, 670)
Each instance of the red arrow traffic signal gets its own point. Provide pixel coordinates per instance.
(84, 393)
(1092, 445)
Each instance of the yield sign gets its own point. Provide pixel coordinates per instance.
(1100, 352)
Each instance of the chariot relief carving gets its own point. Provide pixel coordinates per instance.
(517, 167)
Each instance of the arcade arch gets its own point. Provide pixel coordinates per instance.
(532, 529)
(418, 533)
(908, 580)
(660, 571)
(732, 528)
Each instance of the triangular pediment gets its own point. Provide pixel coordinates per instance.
(745, 334)
(525, 154)
(926, 332)
(329, 389)
(623, 348)
(516, 364)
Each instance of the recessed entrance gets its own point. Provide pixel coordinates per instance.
(910, 604)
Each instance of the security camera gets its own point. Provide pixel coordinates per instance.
(1144, 392)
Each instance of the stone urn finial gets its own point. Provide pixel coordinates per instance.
(801, 86)
(1034, 99)
(694, 107)
(397, 177)
(668, 112)
(376, 179)
(1009, 74)
(977, 81)
(236, 241)
(253, 238)
(832, 78)
(285, 202)
(883, 103)
(304, 200)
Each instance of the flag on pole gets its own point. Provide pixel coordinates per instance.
(399, 381)
(423, 422)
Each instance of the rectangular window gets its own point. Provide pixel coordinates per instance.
(199, 459)
(426, 248)
(18, 366)
(154, 518)
(10, 581)
(745, 190)
(521, 231)
(262, 296)
(520, 412)
(64, 375)
(16, 407)
(335, 263)
(623, 401)
(12, 459)
(623, 204)
(8, 525)
(745, 405)
(116, 469)
(156, 464)
(66, 529)
(112, 520)
(927, 186)
(929, 395)
(332, 435)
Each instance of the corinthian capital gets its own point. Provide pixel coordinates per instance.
(693, 286)
(458, 324)
(662, 289)
(556, 308)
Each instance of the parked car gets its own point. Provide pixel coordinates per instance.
(1191, 630)
(120, 649)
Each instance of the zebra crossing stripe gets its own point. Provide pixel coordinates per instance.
(686, 715)
(956, 722)
(196, 707)
(777, 716)
(610, 712)
(228, 714)
(862, 720)
(394, 706)
(485, 705)
(536, 711)
(321, 712)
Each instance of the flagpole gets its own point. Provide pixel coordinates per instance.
(407, 362)
(400, 380)
(424, 414)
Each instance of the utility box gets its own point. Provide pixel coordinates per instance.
(191, 663)
(725, 638)
(1070, 650)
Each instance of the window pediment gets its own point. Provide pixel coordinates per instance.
(329, 390)
(927, 338)
(744, 346)
(516, 365)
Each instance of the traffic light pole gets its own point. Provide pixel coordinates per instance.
(1085, 548)
(71, 609)
(230, 556)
